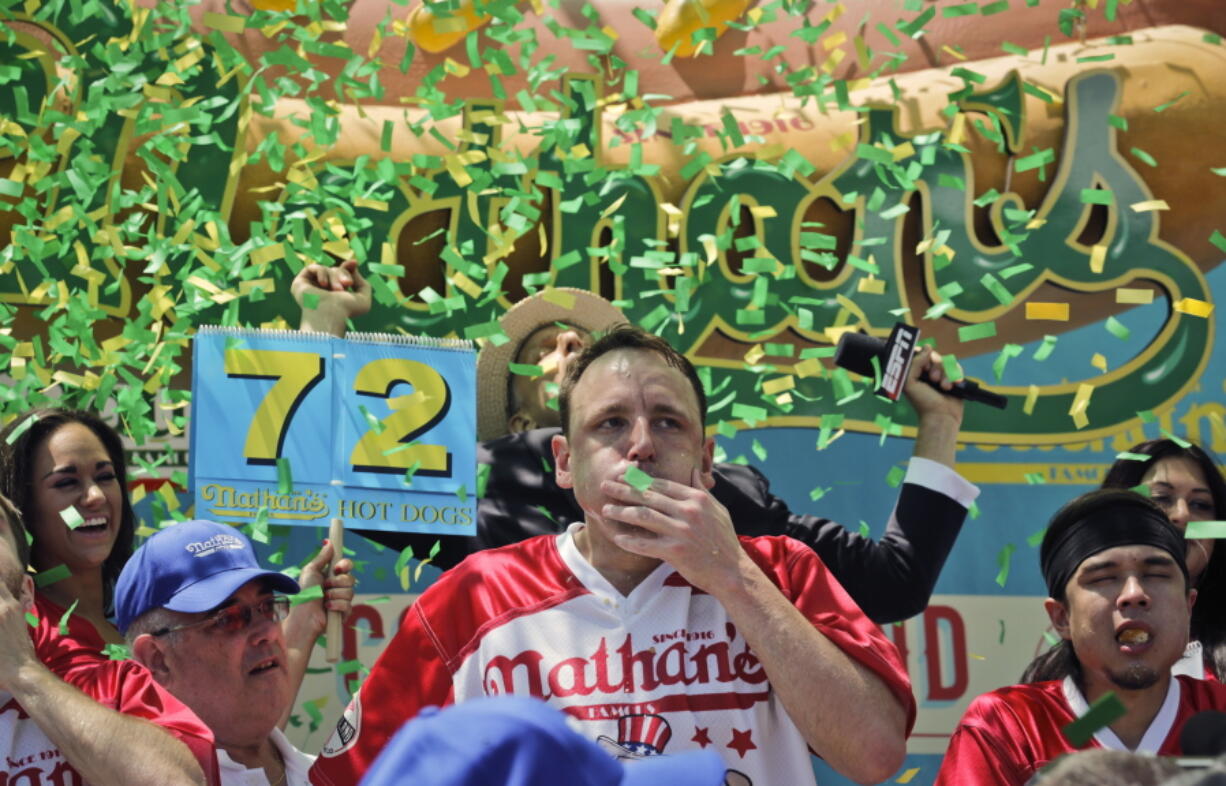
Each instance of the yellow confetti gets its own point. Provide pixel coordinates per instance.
(871, 286)
(1032, 396)
(466, 284)
(1193, 307)
(559, 298)
(949, 50)
(1057, 312)
(905, 150)
(1150, 205)
(908, 775)
(1098, 255)
(843, 142)
(809, 367)
(761, 211)
(373, 204)
(268, 285)
(772, 387)
(754, 354)
(1081, 403)
(1134, 296)
(833, 40)
(266, 254)
(1099, 361)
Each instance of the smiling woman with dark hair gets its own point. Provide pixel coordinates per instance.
(1183, 480)
(65, 471)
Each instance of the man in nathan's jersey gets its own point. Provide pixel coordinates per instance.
(650, 624)
(1120, 599)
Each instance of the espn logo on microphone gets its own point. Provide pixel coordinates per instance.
(897, 356)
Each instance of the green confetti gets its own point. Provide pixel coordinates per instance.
(1003, 559)
(1001, 640)
(1147, 416)
(1096, 196)
(998, 290)
(20, 429)
(1045, 349)
(1218, 240)
(348, 667)
(66, 615)
(865, 532)
(525, 369)
(975, 332)
(1035, 478)
(1173, 101)
(1146, 157)
(1199, 530)
(638, 478)
(1180, 441)
(1117, 329)
(1103, 712)
(310, 301)
(462, 493)
(285, 476)
(48, 577)
(818, 492)
(1126, 456)
(1051, 638)
(952, 370)
(116, 652)
(759, 450)
(1036, 540)
(483, 479)
(307, 595)
(32, 619)
(895, 476)
(72, 517)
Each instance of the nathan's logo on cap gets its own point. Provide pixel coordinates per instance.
(203, 548)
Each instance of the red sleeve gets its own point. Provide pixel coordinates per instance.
(409, 675)
(129, 688)
(813, 589)
(992, 745)
(974, 759)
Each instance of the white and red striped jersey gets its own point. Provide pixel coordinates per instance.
(657, 671)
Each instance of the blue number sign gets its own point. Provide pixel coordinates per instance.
(297, 428)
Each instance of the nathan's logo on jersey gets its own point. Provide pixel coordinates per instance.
(625, 670)
(203, 548)
(347, 729)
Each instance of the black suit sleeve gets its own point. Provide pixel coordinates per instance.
(890, 579)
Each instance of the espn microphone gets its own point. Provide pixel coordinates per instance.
(1204, 734)
(857, 350)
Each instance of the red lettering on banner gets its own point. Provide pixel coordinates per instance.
(631, 670)
(349, 637)
(937, 690)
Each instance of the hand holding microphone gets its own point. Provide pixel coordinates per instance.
(856, 351)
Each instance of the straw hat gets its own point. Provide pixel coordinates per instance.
(562, 304)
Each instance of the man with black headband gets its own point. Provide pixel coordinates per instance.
(1120, 598)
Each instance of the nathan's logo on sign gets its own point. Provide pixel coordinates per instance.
(700, 295)
(227, 501)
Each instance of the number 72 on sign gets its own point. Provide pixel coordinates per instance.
(379, 433)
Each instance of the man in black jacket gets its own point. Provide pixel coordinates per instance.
(891, 579)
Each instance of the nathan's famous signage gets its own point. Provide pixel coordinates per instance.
(378, 430)
(124, 178)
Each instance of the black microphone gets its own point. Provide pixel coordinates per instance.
(1204, 734)
(857, 350)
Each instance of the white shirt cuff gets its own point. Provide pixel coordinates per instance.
(940, 478)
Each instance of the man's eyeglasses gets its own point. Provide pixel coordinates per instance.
(236, 618)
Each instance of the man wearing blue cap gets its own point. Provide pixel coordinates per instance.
(202, 615)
